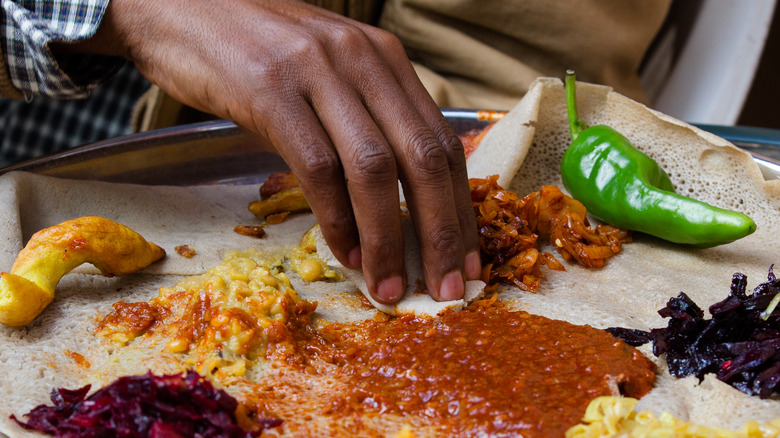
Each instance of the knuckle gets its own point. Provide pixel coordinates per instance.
(306, 46)
(381, 247)
(349, 37)
(387, 40)
(428, 155)
(453, 147)
(373, 162)
(320, 165)
(446, 239)
(288, 60)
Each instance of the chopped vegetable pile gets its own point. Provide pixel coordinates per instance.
(740, 344)
(143, 406)
(509, 228)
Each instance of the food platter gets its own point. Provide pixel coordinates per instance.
(190, 186)
(219, 152)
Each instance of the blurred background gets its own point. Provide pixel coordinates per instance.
(716, 62)
(762, 105)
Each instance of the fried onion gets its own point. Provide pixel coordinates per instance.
(509, 229)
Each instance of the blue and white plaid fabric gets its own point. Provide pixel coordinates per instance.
(30, 25)
(46, 123)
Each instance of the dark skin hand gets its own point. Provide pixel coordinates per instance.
(341, 103)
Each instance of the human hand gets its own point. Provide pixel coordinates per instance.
(343, 106)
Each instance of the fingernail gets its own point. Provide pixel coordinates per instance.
(390, 289)
(355, 258)
(452, 286)
(473, 266)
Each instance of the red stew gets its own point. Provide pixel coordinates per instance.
(486, 370)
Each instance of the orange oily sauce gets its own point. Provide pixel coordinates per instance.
(221, 322)
(485, 370)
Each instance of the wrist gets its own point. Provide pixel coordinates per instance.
(105, 41)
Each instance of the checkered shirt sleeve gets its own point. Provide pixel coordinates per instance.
(27, 28)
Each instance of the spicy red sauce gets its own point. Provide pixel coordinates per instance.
(472, 139)
(485, 370)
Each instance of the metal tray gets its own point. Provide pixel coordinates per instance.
(218, 152)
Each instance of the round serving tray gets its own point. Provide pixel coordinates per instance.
(219, 152)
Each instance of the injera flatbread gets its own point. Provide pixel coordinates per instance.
(639, 281)
(627, 292)
(415, 300)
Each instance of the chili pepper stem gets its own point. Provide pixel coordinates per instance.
(575, 125)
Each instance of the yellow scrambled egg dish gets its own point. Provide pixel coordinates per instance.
(307, 264)
(221, 321)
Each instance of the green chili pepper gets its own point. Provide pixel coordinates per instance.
(624, 187)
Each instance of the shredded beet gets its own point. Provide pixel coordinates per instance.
(740, 343)
(181, 405)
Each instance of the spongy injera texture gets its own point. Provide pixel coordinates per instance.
(627, 292)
